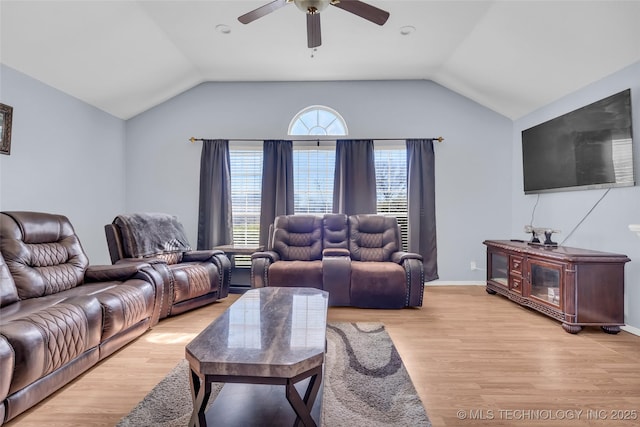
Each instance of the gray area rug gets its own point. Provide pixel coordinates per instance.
(365, 384)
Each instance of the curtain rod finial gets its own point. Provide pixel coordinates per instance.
(439, 139)
(192, 139)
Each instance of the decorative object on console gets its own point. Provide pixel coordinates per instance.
(6, 117)
(537, 231)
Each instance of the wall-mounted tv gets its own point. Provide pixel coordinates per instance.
(590, 147)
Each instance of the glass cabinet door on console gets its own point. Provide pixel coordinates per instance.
(498, 271)
(544, 281)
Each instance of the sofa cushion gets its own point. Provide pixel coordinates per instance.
(42, 252)
(298, 237)
(378, 285)
(296, 273)
(47, 339)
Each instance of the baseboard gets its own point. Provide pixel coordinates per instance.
(440, 282)
(631, 329)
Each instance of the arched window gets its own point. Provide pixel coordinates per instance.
(318, 120)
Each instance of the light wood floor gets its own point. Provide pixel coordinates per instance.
(468, 353)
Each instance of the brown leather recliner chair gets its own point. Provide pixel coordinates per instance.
(192, 278)
(293, 256)
(58, 315)
(357, 259)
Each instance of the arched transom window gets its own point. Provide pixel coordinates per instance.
(318, 120)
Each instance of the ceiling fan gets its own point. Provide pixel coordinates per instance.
(313, 8)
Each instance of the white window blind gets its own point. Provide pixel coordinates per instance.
(313, 169)
(391, 185)
(246, 188)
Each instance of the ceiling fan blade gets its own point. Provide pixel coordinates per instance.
(262, 11)
(363, 10)
(314, 38)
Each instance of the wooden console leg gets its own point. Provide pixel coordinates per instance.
(572, 329)
(611, 329)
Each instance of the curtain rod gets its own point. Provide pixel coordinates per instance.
(193, 139)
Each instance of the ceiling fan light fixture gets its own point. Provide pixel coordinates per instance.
(407, 29)
(311, 6)
(223, 29)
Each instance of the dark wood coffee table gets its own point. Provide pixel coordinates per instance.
(268, 336)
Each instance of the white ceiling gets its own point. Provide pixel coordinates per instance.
(125, 57)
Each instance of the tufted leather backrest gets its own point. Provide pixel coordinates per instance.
(298, 237)
(8, 290)
(373, 237)
(336, 231)
(42, 253)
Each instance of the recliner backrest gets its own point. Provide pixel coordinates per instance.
(42, 252)
(336, 231)
(298, 237)
(373, 237)
(8, 290)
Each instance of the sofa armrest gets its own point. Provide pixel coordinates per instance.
(127, 270)
(200, 255)
(260, 262)
(336, 252)
(400, 257)
(222, 261)
(336, 275)
(272, 256)
(118, 272)
(414, 272)
(151, 261)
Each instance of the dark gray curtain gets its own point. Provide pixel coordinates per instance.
(354, 182)
(215, 224)
(277, 184)
(421, 203)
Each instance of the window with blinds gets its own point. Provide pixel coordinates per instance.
(391, 185)
(313, 169)
(246, 189)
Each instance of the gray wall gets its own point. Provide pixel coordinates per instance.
(606, 228)
(473, 164)
(66, 158)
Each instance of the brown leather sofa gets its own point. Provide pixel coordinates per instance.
(357, 259)
(191, 278)
(58, 315)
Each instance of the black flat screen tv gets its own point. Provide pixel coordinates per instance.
(590, 147)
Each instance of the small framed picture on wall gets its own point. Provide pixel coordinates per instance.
(6, 116)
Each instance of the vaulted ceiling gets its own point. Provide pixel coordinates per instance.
(125, 57)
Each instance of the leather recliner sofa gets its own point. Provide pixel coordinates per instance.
(59, 316)
(191, 278)
(358, 259)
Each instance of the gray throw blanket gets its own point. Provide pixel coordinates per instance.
(146, 234)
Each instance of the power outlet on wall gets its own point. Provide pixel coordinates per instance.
(474, 266)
